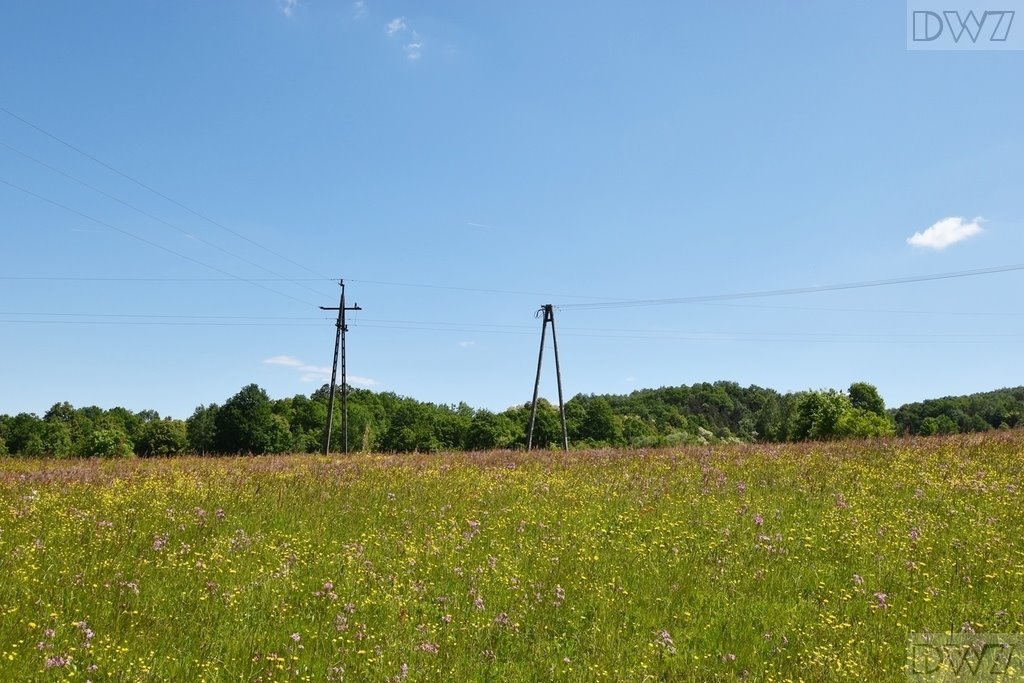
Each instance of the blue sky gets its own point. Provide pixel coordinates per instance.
(462, 163)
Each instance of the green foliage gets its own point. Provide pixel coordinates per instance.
(818, 414)
(162, 437)
(943, 424)
(201, 428)
(108, 442)
(859, 423)
(866, 397)
(245, 423)
(488, 431)
(973, 413)
(705, 413)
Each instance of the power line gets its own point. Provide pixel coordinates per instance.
(151, 216)
(795, 290)
(149, 242)
(158, 323)
(63, 278)
(477, 289)
(652, 335)
(163, 316)
(157, 192)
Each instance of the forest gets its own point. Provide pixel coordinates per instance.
(720, 412)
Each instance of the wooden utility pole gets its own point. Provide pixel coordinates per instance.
(548, 312)
(339, 343)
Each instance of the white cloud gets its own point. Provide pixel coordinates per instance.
(396, 25)
(414, 50)
(359, 9)
(483, 226)
(288, 7)
(283, 360)
(946, 232)
(315, 373)
(467, 344)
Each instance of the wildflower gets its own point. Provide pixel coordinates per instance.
(741, 487)
(758, 519)
(559, 596)
(488, 655)
(882, 599)
(858, 580)
(58, 661)
(427, 646)
(502, 620)
(159, 542)
(664, 640)
(296, 637)
(915, 534)
(219, 514)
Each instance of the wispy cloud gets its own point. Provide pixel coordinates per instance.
(481, 225)
(396, 25)
(283, 360)
(359, 9)
(946, 232)
(314, 373)
(414, 46)
(467, 344)
(288, 7)
(414, 49)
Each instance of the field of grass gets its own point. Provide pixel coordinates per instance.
(765, 563)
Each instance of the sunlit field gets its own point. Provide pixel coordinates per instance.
(808, 562)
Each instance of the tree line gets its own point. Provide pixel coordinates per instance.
(720, 412)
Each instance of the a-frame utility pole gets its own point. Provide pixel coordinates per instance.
(548, 312)
(339, 342)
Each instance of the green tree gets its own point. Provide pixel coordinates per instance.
(818, 415)
(108, 442)
(201, 428)
(859, 423)
(866, 396)
(245, 423)
(162, 437)
(601, 425)
(488, 431)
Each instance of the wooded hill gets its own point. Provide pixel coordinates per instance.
(251, 422)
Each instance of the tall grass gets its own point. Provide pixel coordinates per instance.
(808, 562)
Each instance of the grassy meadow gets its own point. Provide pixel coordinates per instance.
(761, 563)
